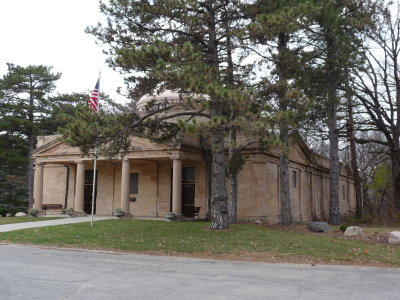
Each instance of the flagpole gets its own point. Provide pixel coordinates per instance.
(94, 185)
(94, 167)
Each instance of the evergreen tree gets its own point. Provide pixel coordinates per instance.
(278, 30)
(182, 46)
(336, 40)
(24, 106)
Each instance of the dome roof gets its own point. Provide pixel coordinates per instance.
(166, 96)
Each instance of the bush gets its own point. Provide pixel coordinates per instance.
(70, 211)
(33, 212)
(343, 227)
(366, 219)
(3, 211)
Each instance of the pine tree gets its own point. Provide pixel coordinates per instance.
(182, 46)
(277, 28)
(336, 40)
(24, 106)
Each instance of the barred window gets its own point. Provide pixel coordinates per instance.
(134, 183)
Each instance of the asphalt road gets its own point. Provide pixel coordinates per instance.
(37, 273)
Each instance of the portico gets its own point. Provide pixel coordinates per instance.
(140, 186)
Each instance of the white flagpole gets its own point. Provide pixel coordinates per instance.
(94, 166)
(94, 185)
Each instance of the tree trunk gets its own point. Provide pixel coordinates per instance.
(332, 101)
(285, 207)
(395, 158)
(285, 201)
(334, 212)
(354, 163)
(219, 199)
(233, 182)
(232, 204)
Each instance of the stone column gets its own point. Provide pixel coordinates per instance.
(125, 181)
(177, 187)
(79, 186)
(38, 187)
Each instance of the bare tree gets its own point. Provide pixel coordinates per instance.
(377, 87)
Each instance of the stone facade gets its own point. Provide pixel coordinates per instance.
(62, 176)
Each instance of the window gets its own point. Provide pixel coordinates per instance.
(344, 192)
(133, 184)
(294, 179)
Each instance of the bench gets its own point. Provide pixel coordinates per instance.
(196, 211)
(46, 207)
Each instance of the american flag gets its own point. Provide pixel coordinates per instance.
(95, 97)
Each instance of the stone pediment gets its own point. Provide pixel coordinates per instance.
(298, 155)
(55, 147)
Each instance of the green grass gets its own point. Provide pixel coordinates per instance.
(194, 237)
(11, 220)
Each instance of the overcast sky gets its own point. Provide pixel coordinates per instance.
(51, 32)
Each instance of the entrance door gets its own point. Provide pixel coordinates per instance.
(188, 191)
(88, 191)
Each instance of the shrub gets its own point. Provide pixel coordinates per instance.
(70, 211)
(366, 219)
(33, 212)
(343, 227)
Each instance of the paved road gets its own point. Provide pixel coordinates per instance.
(44, 223)
(35, 273)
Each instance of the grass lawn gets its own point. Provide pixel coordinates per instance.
(10, 220)
(194, 239)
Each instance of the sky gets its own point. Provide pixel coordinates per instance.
(52, 33)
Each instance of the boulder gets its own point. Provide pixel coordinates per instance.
(8, 215)
(20, 214)
(258, 222)
(318, 226)
(394, 238)
(353, 231)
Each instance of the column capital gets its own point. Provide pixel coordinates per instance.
(175, 156)
(79, 161)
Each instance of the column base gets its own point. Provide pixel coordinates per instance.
(180, 218)
(128, 215)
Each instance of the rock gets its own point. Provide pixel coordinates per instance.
(20, 214)
(353, 231)
(258, 222)
(8, 215)
(394, 238)
(318, 226)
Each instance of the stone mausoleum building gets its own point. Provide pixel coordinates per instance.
(154, 179)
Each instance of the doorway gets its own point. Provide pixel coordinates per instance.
(88, 192)
(188, 191)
